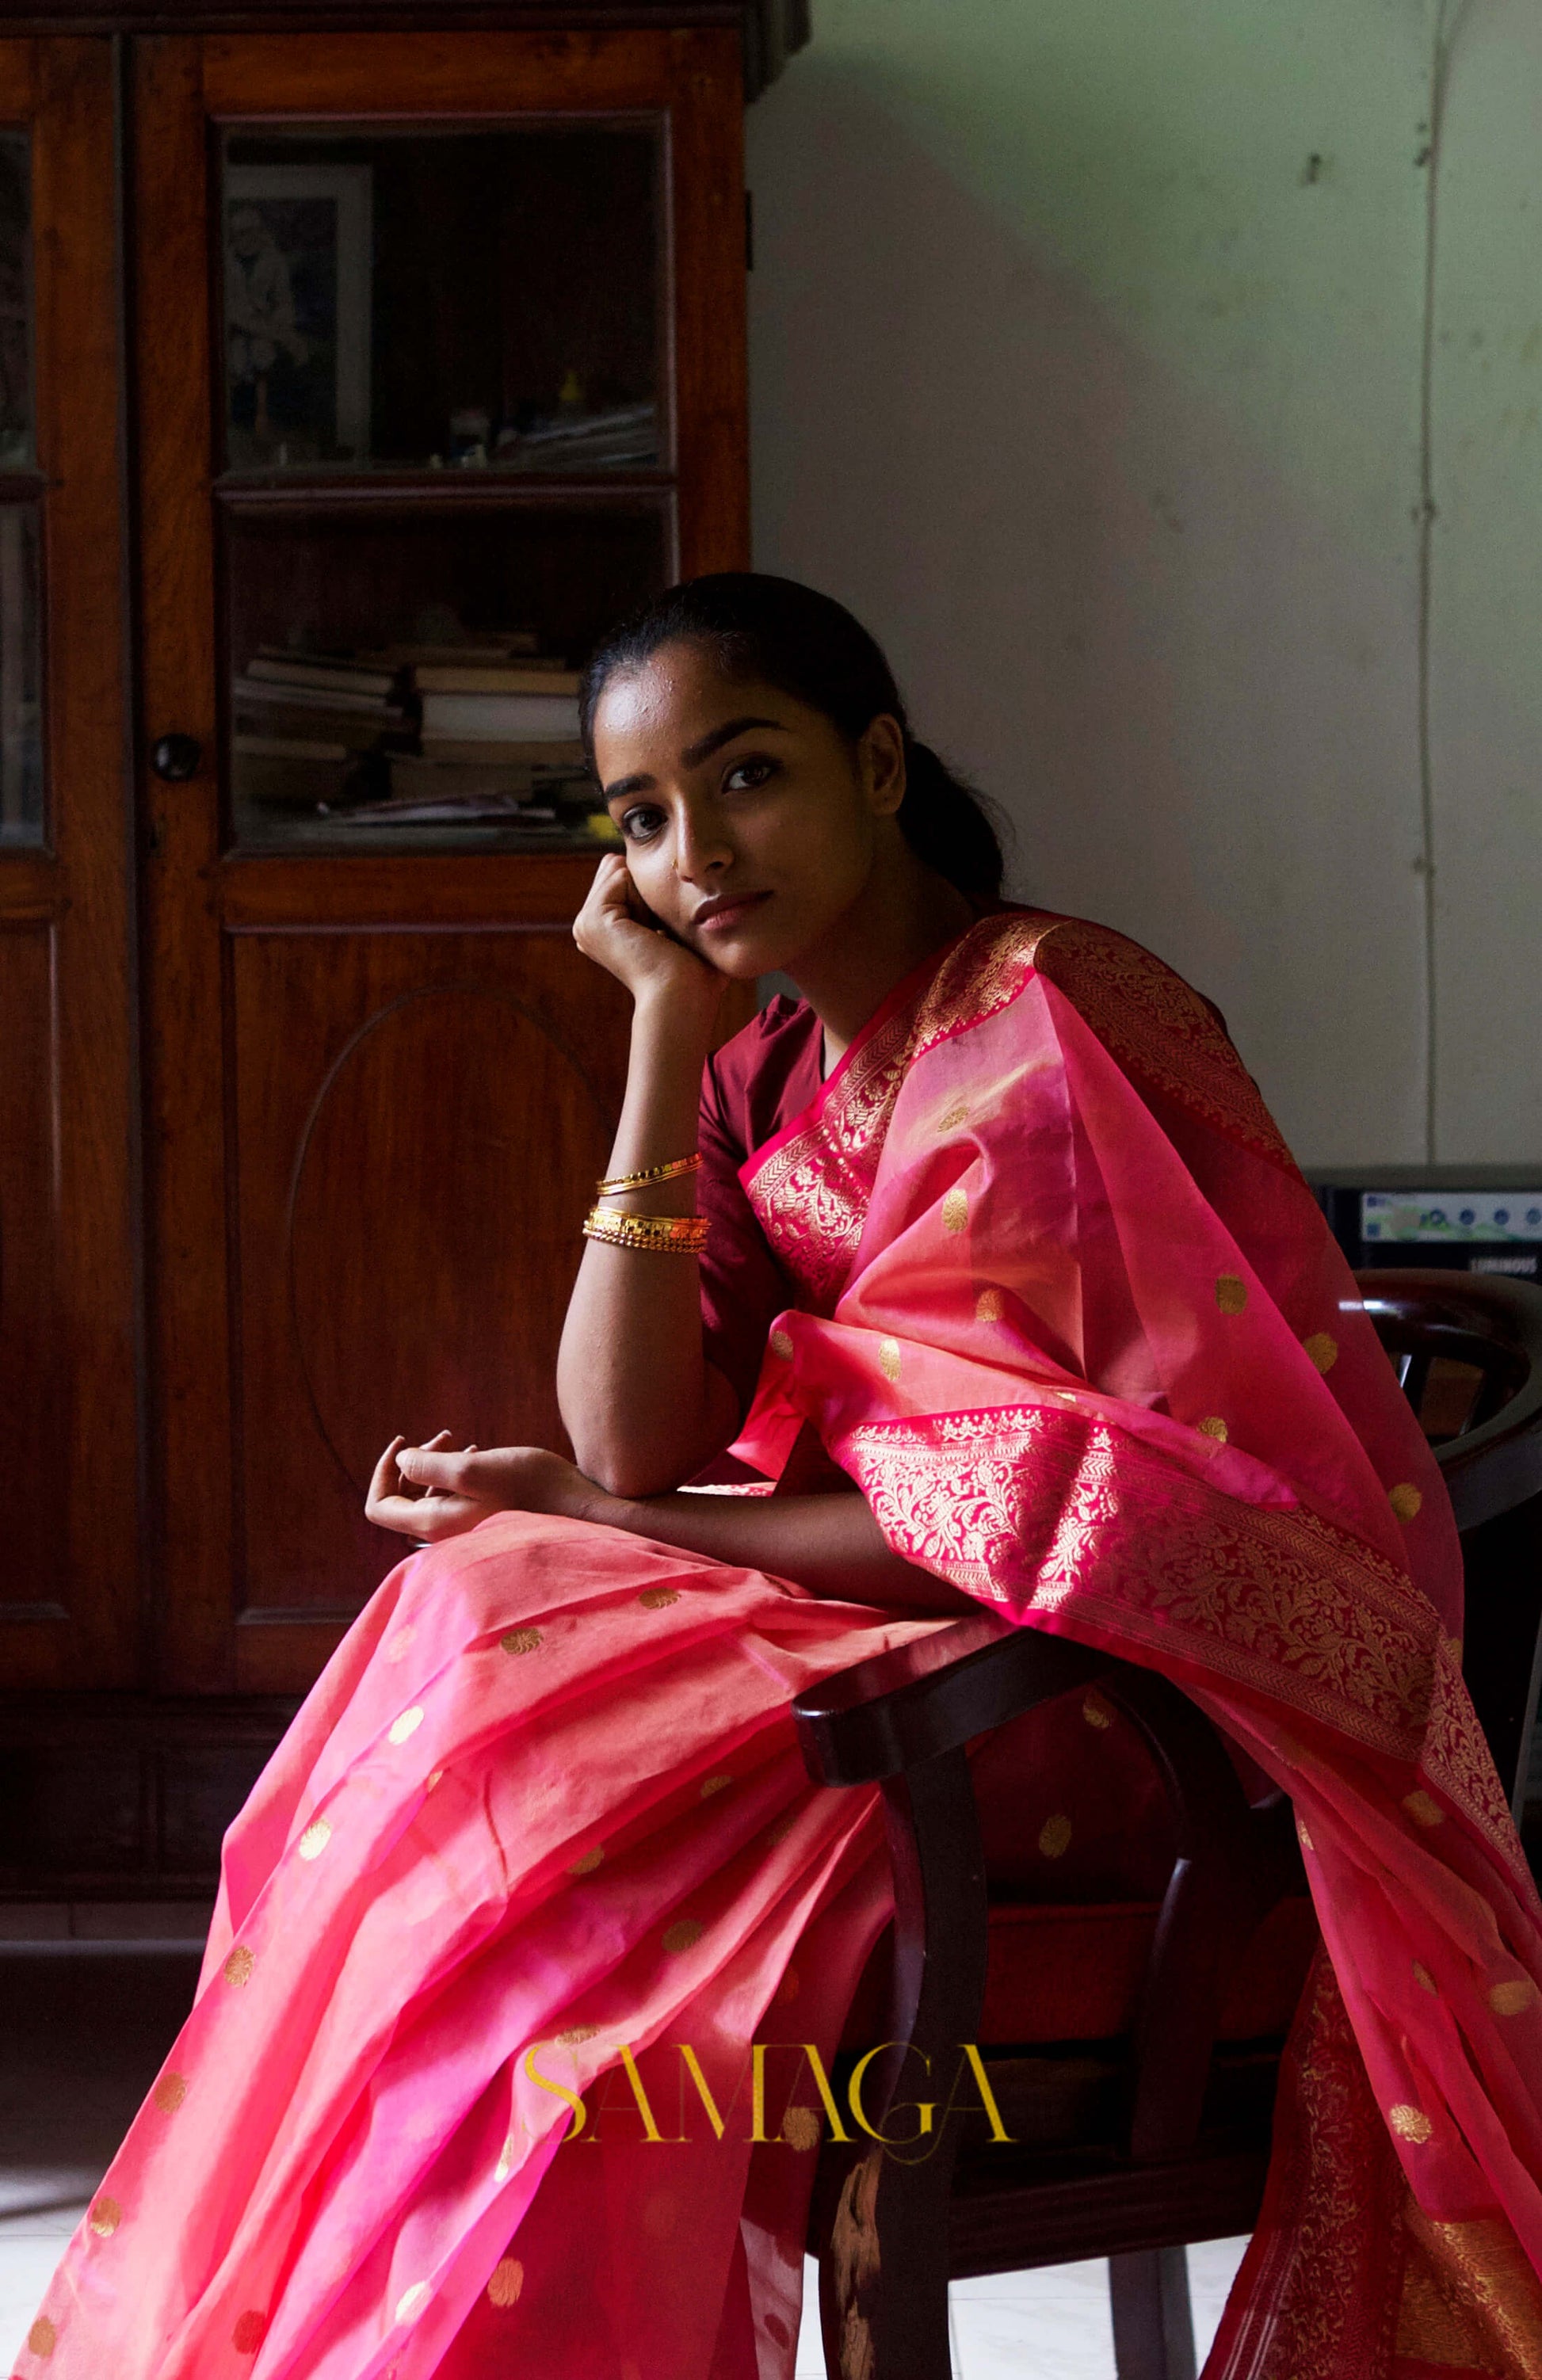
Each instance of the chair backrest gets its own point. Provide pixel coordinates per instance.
(1467, 1348)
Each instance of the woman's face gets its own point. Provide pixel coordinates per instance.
(750, 824)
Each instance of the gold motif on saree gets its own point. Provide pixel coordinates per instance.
(683, 1935)
(1059, 1514)
(1410, 2124)
(1054, 1836)
(1231, 1293)
(1424, 1809)
(1424, 1980)
(1456, 1757)
(801, 2129)
(989, 1306)
(506, 2280)
(659, 1598)
(169, 2093)
(1470, 2297)
(1323, 1349)
(1513, 1999)
(1213, 1426)
(408, 1724)
(314, 1840)
(104, 2217)
(955, 1209)
(237, 1968)
(520, 1640)
(889, 1358)
(42, 2339)
(1405, 1500)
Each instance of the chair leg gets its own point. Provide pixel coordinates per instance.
(883, 2276)
(1153, 2329)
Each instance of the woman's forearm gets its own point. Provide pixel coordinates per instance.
(641, 1405)
(832, 1544)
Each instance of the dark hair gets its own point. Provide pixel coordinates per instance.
(811, 648)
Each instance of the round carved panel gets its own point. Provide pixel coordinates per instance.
(433, 1228)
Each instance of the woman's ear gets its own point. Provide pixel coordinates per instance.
(880, 756)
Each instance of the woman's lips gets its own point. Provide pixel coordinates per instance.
(730, 913)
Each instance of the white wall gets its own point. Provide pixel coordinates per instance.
(1086, 350)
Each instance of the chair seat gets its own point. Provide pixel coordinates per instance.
(1059, 1971)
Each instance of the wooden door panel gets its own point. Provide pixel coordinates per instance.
(418, 1120)
(32, 1383)
(69, 1576)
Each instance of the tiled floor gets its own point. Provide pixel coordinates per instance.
(83, 2030)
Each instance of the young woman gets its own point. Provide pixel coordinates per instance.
(988, 1254)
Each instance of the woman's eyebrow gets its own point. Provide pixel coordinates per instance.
(694, 754)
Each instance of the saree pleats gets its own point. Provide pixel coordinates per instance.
(544, 1802)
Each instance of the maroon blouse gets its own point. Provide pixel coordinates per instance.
(756, 1084)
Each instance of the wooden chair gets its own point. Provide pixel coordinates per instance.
(1153, 2129)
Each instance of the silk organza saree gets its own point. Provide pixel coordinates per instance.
(468, 2086)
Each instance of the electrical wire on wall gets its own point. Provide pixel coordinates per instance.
(1450, 17)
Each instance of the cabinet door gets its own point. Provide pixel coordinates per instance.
(439, 341)
(68, 1551)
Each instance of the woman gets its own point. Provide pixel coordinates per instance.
(993, 1225)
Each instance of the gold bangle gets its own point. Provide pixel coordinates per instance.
(649, 1174)
(659, 1235)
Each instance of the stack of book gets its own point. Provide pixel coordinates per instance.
(335, 734)
(512, 710)
(620, 437)
(301, 723)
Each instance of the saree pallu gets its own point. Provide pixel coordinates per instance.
(1079, 1333)
(1070, 1320)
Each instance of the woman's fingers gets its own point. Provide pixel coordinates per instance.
(383, 1478)
(434, 1466)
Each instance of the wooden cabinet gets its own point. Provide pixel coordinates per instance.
(349, 350)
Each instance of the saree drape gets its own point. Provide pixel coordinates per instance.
(1086, 1344)
(540, 1836)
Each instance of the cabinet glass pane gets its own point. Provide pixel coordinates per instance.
(465, 299)
(21, 818)
(406, 679)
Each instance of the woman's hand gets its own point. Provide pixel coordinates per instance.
(609, 930)
(432, 1491)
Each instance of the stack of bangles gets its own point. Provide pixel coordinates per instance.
(660, 1234)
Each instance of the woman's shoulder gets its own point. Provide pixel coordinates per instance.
(1164, 1035)
(765, 1074)
(1096, 967)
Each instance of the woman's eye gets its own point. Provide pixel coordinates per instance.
(746, 775)
(637, 824)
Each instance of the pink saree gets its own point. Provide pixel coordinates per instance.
(467, 2088)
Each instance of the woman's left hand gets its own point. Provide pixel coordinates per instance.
(433, 1491)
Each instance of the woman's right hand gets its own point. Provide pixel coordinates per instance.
(642, 955)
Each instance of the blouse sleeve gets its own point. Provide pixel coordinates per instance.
(743, 1287)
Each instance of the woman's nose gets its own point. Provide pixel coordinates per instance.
(698, 853)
